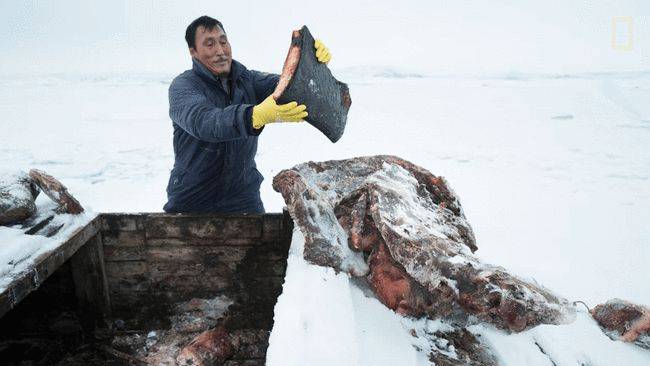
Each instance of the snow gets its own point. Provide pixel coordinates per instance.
(579, 343)
(414, 211)
(325, 318)
(330, 230)
(334, 321)
(539, 126)
(562, 201)
(18, 251)
(10, 182)
(424, 37)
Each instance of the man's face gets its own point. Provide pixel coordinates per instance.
(212, 49)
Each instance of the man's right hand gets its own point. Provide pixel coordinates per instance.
(269, 112)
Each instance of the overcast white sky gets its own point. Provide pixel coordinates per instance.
(434, 37)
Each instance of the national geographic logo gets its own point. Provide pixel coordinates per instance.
(622, 33)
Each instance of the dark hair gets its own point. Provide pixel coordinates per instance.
(207, 23)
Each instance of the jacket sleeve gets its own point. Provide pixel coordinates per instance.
(264, 84)
(194, 113)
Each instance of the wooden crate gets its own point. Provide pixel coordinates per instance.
(129, 271)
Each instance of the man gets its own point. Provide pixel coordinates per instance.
(218, 110)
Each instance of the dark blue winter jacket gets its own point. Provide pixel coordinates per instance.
(214, 141)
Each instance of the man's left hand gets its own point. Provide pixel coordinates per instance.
(322, 53)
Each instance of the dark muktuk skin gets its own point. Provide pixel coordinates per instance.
(306, 80)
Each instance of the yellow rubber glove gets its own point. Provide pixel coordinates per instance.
(269, 112)
(322, 53)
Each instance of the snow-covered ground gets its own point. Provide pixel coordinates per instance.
(323, 318)
(553, 171)
(515, 103)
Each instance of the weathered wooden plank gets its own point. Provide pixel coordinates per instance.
(125, 268)
(196, 242)
(184, 286)
(128, 282)
(223, 227)
(126, 285)
(91, 288)
(187, 254)
(119, 253)
(123, 238)
(270, 254)
(44, 266)
(158, 270)
(271, 228)
(127, 277)
(122, 222)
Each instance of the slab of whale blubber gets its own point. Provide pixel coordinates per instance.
(309, 82)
